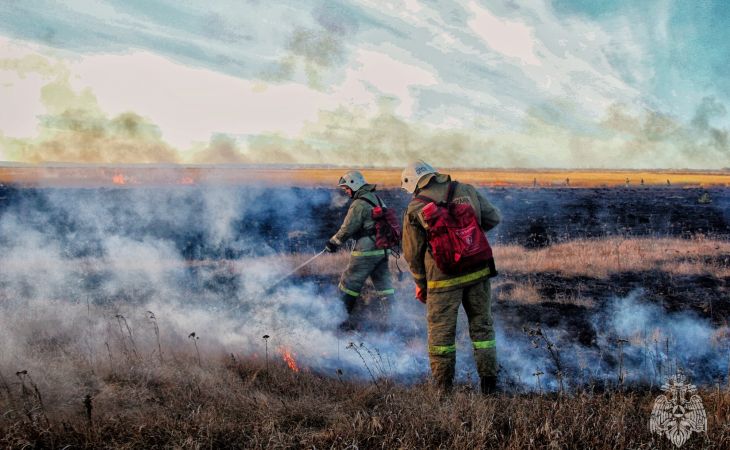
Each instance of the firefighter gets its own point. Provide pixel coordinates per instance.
(442, 293)
(365, 260)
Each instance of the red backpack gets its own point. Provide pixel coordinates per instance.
(455, 239)
(387, 226)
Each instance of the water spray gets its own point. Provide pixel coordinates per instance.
(271, 288)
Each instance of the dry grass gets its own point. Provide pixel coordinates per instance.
(527, 293)
(234, 404)
(591, 258)
(596, 258)
(231, 402)
(306, 176)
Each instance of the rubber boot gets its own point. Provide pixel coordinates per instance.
(445, 387)
(488, 385)
(349, 301)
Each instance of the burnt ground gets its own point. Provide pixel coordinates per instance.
(702, 295)
(301, 219)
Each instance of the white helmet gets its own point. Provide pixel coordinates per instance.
(352, 179)
(413, 173)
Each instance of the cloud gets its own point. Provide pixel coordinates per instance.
(382, 75)
(316, 49)
(709, 108)
(511, 38)
(370, 83)
(75, 129)
(188, 104)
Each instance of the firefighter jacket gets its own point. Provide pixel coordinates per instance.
(359, 224)
(415, 240)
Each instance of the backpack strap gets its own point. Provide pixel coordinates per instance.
(424, 199)
(380, 202)
(450, 195)
(368, 233)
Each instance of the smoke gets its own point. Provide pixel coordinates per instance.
(548, 137)
(222, 149)
(75, 129)
(635, 343)
(353, 137)
(79, 266)
(82, 136)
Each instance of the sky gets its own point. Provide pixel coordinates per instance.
(534, 84)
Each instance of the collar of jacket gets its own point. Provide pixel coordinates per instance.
(366, 188)
(439, 177)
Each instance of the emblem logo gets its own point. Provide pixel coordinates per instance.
(676, 417)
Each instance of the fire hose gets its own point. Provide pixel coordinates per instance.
(271, 288)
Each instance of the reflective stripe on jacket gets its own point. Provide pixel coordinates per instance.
(415, 241)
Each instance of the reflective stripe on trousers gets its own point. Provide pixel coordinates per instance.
(442, 349)
(378, 252)
(446, 349)
(484, 344)
(348, 291)
(436, 284)
(355, 293)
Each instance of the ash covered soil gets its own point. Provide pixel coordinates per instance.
(297, 220)
(302, 219)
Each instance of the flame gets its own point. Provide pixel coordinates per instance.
(187, 180)
(118, 179)
(289, 359)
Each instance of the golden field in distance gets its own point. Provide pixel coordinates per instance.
(100, 176)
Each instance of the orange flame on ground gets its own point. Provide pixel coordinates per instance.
(118, 179)
(289, 359)
(187, 180)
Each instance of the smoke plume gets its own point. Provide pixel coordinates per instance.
(75, 129)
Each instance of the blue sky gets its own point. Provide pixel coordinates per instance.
(560, 83)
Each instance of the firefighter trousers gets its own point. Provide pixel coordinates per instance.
(373, 264)
(442, 312)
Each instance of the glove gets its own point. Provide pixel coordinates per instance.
(421, 294)
(331, 247)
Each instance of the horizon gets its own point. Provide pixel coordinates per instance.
(108, 175)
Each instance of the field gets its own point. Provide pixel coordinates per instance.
(134, 316)
(228, 403)
(96, 176)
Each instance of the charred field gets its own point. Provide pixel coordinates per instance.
(135, 317)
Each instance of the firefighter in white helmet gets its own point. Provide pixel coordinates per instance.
(366, 260)
(443, 293)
